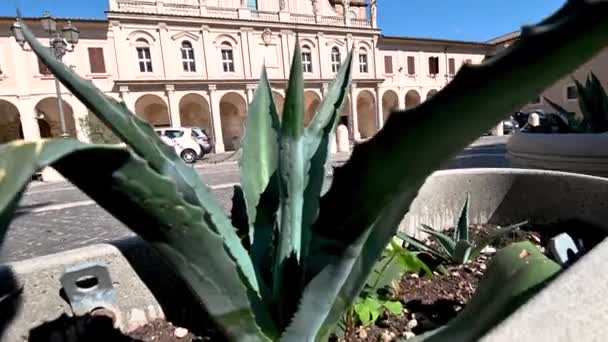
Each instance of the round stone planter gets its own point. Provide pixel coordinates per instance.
(144, 288)
(577, 152)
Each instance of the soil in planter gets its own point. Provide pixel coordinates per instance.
(430, 303)
(100, 329)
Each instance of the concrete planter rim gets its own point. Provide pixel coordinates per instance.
(580, 145)
(131, 245)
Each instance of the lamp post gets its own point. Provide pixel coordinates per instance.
(58, 43)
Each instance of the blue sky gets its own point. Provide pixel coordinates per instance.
(448, 19)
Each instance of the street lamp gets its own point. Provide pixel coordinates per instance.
(58, 43)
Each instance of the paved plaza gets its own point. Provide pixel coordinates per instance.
(57, 217)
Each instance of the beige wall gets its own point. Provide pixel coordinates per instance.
(557, 92)
(211, 97)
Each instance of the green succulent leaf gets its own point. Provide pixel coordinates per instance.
(128, 188)
(493, 236)
(238, 214)
(569, 117)
(448, 245)
(332, 291)
(141, 138)
(317, 143)
(516, 273)
(420, 246)
(461, 230)
(292, 183)
(349, 213)
(259, 156)
(462, 252)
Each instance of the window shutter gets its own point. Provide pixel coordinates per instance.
(432, 66)
(411, 65)
(388, 64)
(96, 60)
(42, 68)
(451, 66)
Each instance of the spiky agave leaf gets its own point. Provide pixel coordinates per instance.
(343, 249)
(141, 138)
(149, 204)
(461, 229)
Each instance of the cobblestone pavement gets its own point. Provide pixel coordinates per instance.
(56, 217)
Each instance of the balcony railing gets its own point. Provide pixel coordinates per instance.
(194, 8)
(265, 15)
(220, 12)
(302, 18)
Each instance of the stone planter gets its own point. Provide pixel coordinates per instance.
(144, 288)
(579, 152)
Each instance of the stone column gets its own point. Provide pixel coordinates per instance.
(127, 98)
(353, 112)
(80, 113)
(244, 46)
(379, 113)
(401, 99)
(285, 50)
(29, 122)
(250, 92)
(216, 121)
(211, 55)
(164, 42)
(202, 5)
(321, 56)
(324, 89)
(173, 105)
(498, 130)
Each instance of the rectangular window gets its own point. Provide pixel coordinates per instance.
(388, 64)
(451, 66)
(335, 60)
(307, 61)
(42, 68)
(411, 65)
(96, 60)
(188, 63)
(227, 60)
(571, 93)
(363, 67)
(252, 4)
(145, 59)
(433, 65)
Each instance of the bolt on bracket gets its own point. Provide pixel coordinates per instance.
(88, 286)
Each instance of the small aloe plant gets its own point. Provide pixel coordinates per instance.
(304, 257)
(593, 102)
(458, 249)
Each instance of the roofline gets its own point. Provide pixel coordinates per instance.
(504, 37)
(437, 40)
(92, 20)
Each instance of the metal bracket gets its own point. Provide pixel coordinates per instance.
(88, 287)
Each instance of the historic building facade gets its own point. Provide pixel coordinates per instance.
(562, 92)
(197, 63)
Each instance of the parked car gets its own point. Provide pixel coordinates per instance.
(548, 123)
(185, 142)
(201, 136)
(508, 126)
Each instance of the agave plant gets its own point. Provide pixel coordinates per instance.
(593, 103)
(305, 258)
(458, 249)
